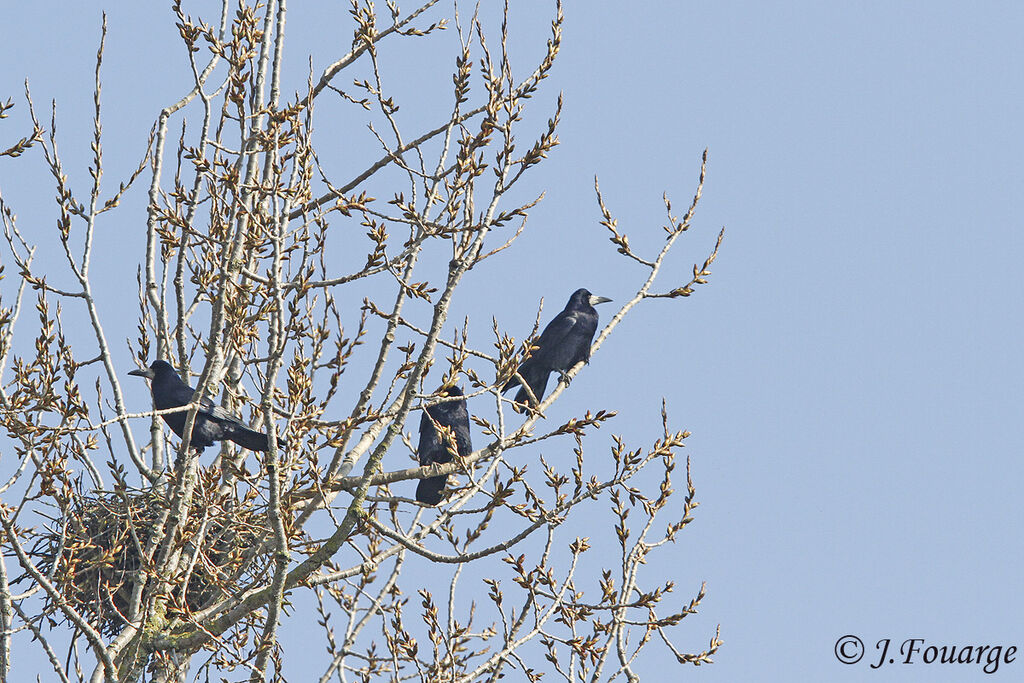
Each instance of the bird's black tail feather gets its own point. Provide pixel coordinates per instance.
(253, 440)
(537, 379)
(514, 382)
(529, 371)
(428, 491)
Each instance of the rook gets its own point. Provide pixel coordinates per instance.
(212, 422)
(435, 449)
(563, 343)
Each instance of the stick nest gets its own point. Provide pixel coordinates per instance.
(100, 551)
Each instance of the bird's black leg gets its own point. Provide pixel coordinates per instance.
(564, 376)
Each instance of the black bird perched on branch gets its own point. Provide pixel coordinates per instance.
(212, 422)
(436, 445)
(563, 343)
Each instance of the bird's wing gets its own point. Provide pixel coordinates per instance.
(544, 357)
(461, 425)
(430, 440)
(576, 345)
(172, 394)
(208, 408)
(557, 330)
(456, 416)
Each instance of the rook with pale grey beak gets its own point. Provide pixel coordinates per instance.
(212, 422)
(563, 343)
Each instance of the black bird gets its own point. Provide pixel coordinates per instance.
(563, 343)
(212, 422)
(435, 449)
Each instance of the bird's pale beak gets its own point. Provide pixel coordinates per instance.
(595, 300)
(145, 372)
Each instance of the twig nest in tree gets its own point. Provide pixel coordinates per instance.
(97, 548)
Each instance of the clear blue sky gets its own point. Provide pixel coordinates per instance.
(852, 372)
